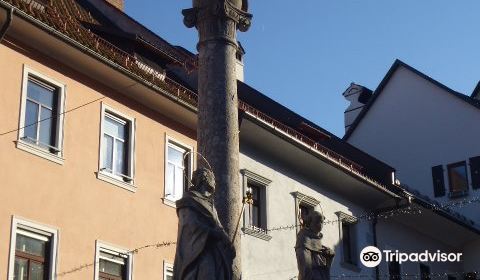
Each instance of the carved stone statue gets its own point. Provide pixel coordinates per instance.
(314, 260)
(204, 250)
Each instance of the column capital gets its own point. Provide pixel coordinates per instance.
(218, 10)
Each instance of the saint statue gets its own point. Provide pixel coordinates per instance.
(314, 260)
(204, 250)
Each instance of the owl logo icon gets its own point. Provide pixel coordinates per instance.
(370, 256)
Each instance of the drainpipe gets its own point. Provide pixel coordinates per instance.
(7, 24)
(375, 222)
(374, 225)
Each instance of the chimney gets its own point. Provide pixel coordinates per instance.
(239, 67)
(119, 4)
(358, 96)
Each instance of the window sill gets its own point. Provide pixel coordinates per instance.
(258, 233)
(35, 150)
(350, 266)
(169, 202)
(114, 181)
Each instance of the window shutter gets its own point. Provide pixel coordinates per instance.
(438, 181)
(475, 172)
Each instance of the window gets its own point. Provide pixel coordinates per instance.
(457, 176)
(255, 220)
(424, 272)
(117, 149)
(305, 210)
(40, 114)
(348, 237)
(112, 263)
(304, 205)
(256, 208)
(347, 243)
(178, 169)
(37, 4)
(32, 252)
(41, 121)
(394, 271)
(167, 271)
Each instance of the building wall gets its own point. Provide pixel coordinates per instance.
(415, 125)
(275, 259)
(69, 197)
(471, 253)
(392, 235)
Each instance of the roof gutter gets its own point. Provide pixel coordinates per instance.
(7, 24)
(94, 54)
(411, 199)
(446, 215)
(321, 156)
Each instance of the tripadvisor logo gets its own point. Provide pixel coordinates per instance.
(371, 256)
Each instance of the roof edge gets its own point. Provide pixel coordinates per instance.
(447, 215)
(397, 64)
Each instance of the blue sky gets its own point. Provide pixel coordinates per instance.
(304, 54)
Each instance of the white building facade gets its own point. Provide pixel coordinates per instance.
(429, 133)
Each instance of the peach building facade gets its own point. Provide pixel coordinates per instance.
(65, 195)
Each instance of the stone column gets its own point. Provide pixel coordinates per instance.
(217, 129)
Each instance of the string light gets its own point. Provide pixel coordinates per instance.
(125, 255)
(367, 217)
(397, 276)
(64, 112)
(408, 275)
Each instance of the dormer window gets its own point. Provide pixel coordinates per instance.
(37, 4)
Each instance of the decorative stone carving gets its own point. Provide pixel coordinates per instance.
(314, 260)
(204, 250)
(219, 9)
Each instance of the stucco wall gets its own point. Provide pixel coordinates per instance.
(392, 235)
(275, 259)
(69, 196)
(415, 125)
(472, 256)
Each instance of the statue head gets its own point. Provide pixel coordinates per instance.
(315, 222)
(203, 181)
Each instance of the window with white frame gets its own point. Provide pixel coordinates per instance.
(304, 205)
(32, 251)
(41, 120)
(178, 169)
(167, 271)
(112, 263)
(348, 237)
(117, 147)
(256, 215)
